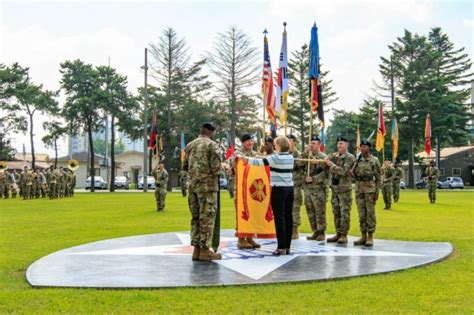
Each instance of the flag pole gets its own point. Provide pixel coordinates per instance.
(310, 124)
(286, 104)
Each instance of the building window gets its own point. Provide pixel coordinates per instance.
(441, 171)
(456, 172)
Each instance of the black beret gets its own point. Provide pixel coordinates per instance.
(315, 138)
(209, 126)
(292, 137)
(268, 139)
(341, 138)
(365, 142)
(245, 137)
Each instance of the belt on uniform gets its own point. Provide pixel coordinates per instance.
(365, 178)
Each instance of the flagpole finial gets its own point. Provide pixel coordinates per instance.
(284, 24)
(314, 25)
(265, 32)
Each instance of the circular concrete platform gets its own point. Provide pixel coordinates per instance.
(164, 260)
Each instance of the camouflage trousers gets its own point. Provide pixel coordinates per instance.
(396, 191)
(387, 194)
(297, 202)
(432, 191)
(341, 203)
(203, 207)
(53, 190)
(160, 196)
(184, 190)
(4, 191)
(231, 187)
(28, 193)
(366, 206)
(315, 199)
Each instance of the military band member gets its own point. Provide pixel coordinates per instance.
(341, 163)
(299, 173)
(368, 181)
(4, 184)
(432, 174)
(203, 163)
(397, 178)
(315, 189)
(388, 174)
(161, 180)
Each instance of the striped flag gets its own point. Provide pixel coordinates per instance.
(268, 88)
(395, 139)
(183, 147)
(428, 134)
(381, 131)
(282, 81)
(153, 136)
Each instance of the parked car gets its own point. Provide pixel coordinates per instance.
(451, 183)
(223, 182)
(403, 185)
(121, 182)
(150, 181)
(99, 183)
(421, 183)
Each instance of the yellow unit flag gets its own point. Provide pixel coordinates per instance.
(254, 211)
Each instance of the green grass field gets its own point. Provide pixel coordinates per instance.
(32, 229)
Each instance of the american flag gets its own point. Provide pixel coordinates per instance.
(268, 89)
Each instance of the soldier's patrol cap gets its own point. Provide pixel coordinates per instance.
(315, 138)
(245, 137)
(209, 126)
(341, 138)
(292, 137)
(268, 139)
(365, 142)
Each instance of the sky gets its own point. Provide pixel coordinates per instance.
(352, 34)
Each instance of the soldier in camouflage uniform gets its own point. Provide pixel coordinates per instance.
(161, 179)
(4, 184)
(14, 186)
(246, 150)
(367, 171)
(183, 182)
(315, 189)
(341, 163)
(203, 164)
(71, 183)
(299, 172)
(388, 173)
(37, 183)
(397, 177)
(432, 174)
(29, 182)
(53, 183)
(22, 182)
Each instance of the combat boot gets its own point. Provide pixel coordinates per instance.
(206, 254)
(253, 243)
(243, 244)
(342, 239)
(295, 235)
(312, 237)
(321, 236)
(196, 252)
(334, 238)
(362, 240)
(370, 240)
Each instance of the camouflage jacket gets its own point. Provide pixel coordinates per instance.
(299, 171)
(203, 164)
(367, 175)
(3, 178)
(319, 172)
(432, 173)
(398, 174)
(183, 178)
(341, 179)
(388, 174)
(161, 178)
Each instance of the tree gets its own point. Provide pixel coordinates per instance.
(234, 62)
(11, 81)
(56, 130)
(84, 98)
(298, 107)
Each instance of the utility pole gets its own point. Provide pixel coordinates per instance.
(392, 101)
(145, 136)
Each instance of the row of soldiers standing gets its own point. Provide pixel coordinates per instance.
(32, 184)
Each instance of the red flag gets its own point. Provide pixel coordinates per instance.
(153, 134)
(229, 152)
(428, 134)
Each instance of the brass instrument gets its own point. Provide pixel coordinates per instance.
(73, 165)
(3, 166)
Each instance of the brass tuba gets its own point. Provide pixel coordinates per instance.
(3, 166)
(73, 165)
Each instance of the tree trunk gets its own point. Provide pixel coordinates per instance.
(91, 150)
(55, 153)
(112, 154)
(167, 147)
(411, 174)
(33, 159)
(233, 101)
